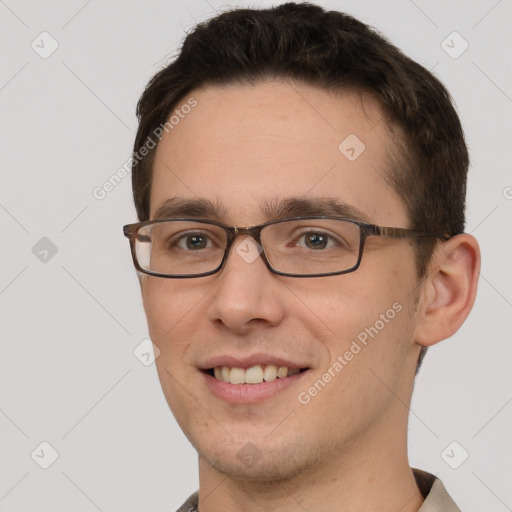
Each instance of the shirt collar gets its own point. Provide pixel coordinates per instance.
(436, 496)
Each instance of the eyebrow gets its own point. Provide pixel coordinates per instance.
(275, 208)
(297, 207)
(195, 208)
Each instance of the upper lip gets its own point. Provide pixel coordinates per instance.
(249, 360)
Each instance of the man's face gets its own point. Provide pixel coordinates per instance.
(248, 148)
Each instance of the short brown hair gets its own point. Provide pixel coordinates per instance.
(332, 51)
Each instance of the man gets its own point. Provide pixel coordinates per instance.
(300, 245)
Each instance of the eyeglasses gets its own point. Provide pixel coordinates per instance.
(296, 247)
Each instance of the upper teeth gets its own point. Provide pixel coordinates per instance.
(254, 374)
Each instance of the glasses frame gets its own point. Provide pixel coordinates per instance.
(365, 229)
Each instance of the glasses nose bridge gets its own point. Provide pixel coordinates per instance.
(253, 232)
(235, 231)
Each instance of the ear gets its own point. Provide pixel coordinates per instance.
(448, 292)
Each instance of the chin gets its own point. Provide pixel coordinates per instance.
(247, 462)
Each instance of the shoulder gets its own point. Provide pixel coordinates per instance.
(436, 496)
(191, 504)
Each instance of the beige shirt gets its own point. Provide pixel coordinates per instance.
(436, 497)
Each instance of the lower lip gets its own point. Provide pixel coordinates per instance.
(249, 393)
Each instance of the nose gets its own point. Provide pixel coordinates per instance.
(247, 295)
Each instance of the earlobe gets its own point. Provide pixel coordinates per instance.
(448, 292)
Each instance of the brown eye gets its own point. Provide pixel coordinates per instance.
(316, 240)
(194, 242)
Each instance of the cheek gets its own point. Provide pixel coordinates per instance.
(157, 306)
(375, 310)
(340, 306)
(373, 333)
(175, 313)
(167, 309)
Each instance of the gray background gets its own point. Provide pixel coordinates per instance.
(70, 321)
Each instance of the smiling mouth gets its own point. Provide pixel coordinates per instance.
(253, 375)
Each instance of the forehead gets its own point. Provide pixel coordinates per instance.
(244, 146)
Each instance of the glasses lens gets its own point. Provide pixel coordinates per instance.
(180, 247)
(312, 246)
